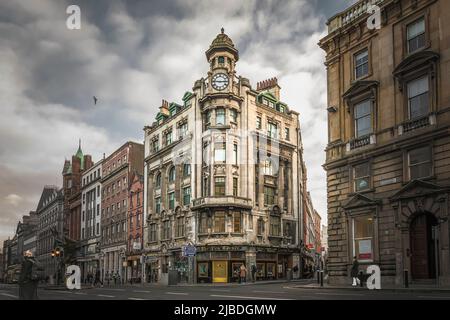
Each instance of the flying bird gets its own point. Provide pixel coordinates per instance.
(95, 100)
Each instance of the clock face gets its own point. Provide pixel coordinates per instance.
(220, 81)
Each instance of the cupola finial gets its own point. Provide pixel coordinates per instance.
(222, 30)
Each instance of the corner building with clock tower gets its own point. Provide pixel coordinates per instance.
(224, 172)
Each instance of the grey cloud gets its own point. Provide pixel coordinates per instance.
(132, 54)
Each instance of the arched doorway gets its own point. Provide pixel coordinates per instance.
(423, 253)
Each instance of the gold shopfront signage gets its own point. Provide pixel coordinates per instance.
(220, 269)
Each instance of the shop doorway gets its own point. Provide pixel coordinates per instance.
(220, 271)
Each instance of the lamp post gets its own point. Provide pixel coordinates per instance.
(436, 231)
(58, 254)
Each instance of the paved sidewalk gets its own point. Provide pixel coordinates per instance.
(412, 288)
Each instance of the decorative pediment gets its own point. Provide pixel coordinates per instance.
(417, 188)
(360, 201)
(360, 87)
(360, 90)
(414, 62)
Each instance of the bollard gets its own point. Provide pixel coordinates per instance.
(321, 278)
(406, 279)
(318, 277)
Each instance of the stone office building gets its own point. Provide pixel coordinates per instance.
(91, 200)
(222, 172)
(50, 228)
(117, 170)
(72, 171)
(388, 156)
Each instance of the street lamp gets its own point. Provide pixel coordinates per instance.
(436, 230)
(58, 254)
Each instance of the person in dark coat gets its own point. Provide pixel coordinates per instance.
(98, 278)
(253, 273)
(27, 282)
(354, 272)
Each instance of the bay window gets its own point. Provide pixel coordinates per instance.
(219, 221)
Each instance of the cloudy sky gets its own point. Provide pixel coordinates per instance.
(131, 55)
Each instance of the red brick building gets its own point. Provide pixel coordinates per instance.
(118, 170)
(72, 172)
(135, 227)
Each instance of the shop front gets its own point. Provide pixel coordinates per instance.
(266, 264)
(151, 268)
(134, 269)
(214, 266)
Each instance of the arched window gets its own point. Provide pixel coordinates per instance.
(158, 181)
(172, 174)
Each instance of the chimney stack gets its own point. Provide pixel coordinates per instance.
(270, 85)
(164, 109)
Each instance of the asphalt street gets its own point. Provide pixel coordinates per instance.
(274, 292)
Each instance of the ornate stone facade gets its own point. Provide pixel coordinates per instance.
(223, 172)
(388, 157)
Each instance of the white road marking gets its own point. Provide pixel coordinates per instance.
(338, 294)
(220, 290)
(9, 295)
(61, 291)
(110, 289)
(81, 293)
(141, 291)
(244, 297)
(276, 292)
(105, 295)
(135, 299)
(178, 293)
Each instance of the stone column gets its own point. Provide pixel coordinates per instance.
(250, 259)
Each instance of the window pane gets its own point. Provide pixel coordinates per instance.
(363, 126)
(419, 155)
(363, 227)
(420, 171)
(219, 221)
(363, 109)
(220, 116)
(362, 184)
(416, 28)
(417, 87)
(362, 170)
(237, 222)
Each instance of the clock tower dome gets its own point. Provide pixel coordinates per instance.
(222, 57)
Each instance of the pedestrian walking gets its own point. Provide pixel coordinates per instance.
(354, 272)
(253, 272)
(115, 278)
(243, 273)
(98, 278)
(29, 277)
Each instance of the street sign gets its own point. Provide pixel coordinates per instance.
(189, 251)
